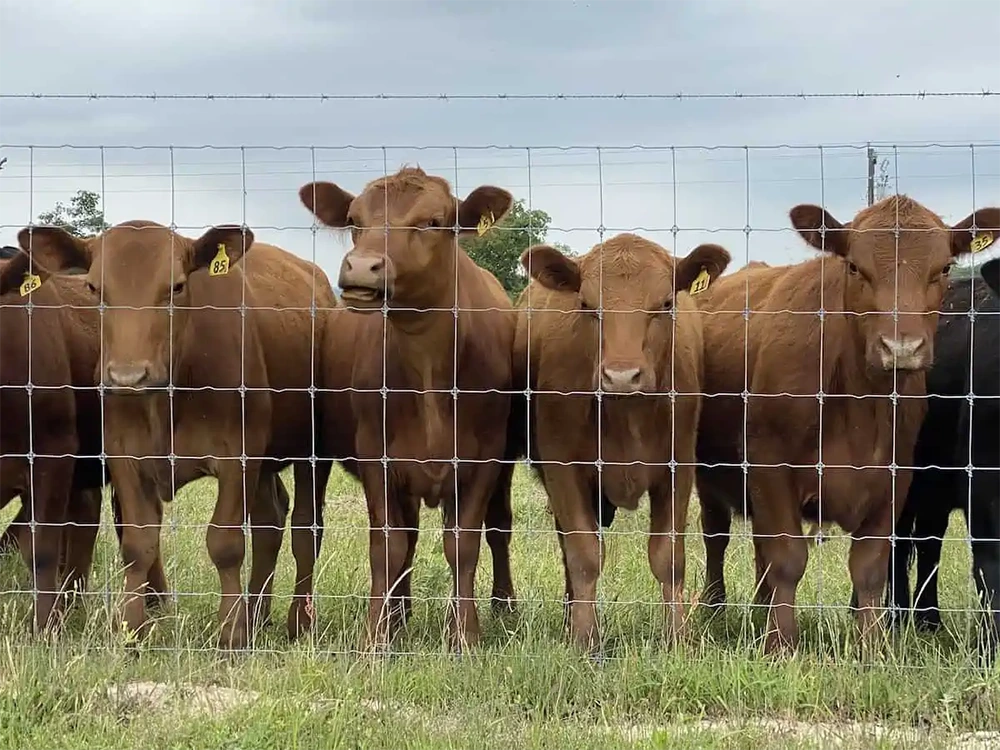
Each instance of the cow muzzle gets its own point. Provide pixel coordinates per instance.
(903, 352)
(622, 378)
(365, 279)
(129, 377)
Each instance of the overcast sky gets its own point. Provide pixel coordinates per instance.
(478, 47)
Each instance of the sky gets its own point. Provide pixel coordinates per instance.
(718, 170)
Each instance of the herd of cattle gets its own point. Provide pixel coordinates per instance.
(794, 395)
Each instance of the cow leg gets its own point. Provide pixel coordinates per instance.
(307, 539)
(156, 586)
(141, 517)
(80, 537)
(568, 593)
(984, 528)
(777, 527)
(51, 485)
(716, 524)
(929, 529)
(499, 522)
(583, 549)
(401, 599)
(897, 593)
(868, 563)
(763, 594)
(463, 531)
(667, 527)
(387, 546)
(268, 513)
(226, 547)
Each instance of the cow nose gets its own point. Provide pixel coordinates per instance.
(620, 379)
(905, 352)
(130, 375)
(364, 265)
(362, 271)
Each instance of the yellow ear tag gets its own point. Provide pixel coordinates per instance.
(220, 263)
(485, 223)
(30, 284)
(700, 284)
(981, 242)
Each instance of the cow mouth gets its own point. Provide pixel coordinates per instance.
(363, 294)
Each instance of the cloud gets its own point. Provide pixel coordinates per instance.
(726, 179)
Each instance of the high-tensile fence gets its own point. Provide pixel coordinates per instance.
(711, 400)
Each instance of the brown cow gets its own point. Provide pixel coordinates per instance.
(414, 264)
(63, 338)
(646, 344)
(193, 382)
(856, 360)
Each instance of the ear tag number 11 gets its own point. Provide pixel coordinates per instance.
(220, 263)
(700, 284)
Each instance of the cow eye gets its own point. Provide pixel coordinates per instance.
(178, 287)
(91, 288)
(853, 268)
(947, 269)
(668, 305)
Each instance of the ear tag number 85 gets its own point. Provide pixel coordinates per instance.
(220, 263)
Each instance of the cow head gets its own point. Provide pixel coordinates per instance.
(137, 269)
(403, 230)
(990, 271)
(634, 282)
(895, 256)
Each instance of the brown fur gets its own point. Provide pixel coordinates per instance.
(638, 285)
(64, 348)
(423, 353)
(783, 357)
(142, 264)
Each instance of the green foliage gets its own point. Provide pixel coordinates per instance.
(83, 216)
(499, 250)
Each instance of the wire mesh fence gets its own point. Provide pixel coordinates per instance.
(303, 340)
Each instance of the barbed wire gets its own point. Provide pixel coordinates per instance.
(623, 96)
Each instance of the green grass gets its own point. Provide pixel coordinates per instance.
(524, 687)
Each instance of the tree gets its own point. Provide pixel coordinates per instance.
(83, 216)
(499, 250)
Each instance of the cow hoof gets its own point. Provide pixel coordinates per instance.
(301, 617)
(502, 606)
(927, 622)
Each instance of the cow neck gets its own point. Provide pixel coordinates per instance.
(626, 419)
(425, 344)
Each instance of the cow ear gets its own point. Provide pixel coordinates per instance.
(550, 268)
(987, 224)
(482, 208)
(702, 266)
(327, 202)
(44, 252)
(220, 248)
(810, 221)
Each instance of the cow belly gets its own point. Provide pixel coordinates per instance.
(849, 495)
(624, 486)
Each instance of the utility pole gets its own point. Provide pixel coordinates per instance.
(872, 162)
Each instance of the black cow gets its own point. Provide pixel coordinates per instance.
(941, 482)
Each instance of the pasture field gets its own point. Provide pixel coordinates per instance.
(525, 687)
